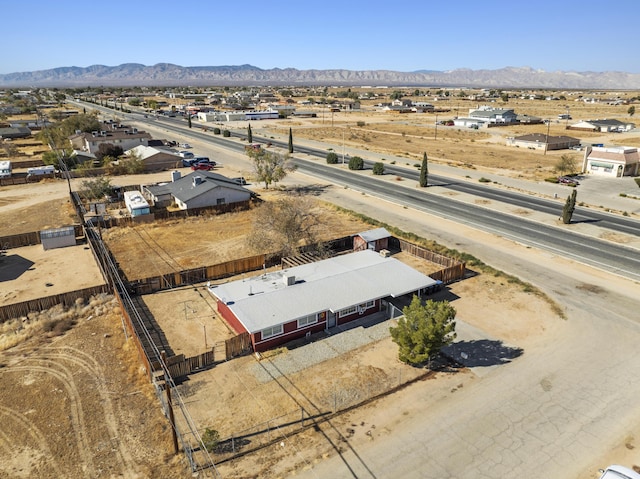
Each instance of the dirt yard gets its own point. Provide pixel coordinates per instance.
(78, 405)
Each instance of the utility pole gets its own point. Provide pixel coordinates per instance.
(546, 141)
(435, 136)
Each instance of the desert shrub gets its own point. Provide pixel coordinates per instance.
(216, 131)
(226, 133)
(211, 439)
(361, 124)
(356, 163)
(332, 158)
(637, 180)
(484, 180)
(378, 168)
(553, 179)
(417, 165)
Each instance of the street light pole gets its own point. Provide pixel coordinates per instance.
(343, 130)
(546, 141)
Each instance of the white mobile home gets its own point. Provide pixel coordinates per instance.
(136, 204)
(5, 169)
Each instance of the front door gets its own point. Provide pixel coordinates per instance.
(331, 320)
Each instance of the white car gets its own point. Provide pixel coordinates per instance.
(619, 472)
(185, 145)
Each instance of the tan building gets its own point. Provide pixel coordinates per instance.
(613, 161)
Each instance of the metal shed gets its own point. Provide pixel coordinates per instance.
(58, 237)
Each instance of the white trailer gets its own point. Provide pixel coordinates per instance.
(136, 204)
(5, 169)
(41, 170)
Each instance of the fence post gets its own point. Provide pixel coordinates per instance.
(167, 388)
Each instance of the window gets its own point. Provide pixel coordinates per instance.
(307, 320)
(220, 201)
(360, 308)
(272, 331)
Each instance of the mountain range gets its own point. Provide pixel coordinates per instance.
(167, 74)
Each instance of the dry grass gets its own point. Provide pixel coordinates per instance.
(52, 322)
(53, 213)
(168, 246)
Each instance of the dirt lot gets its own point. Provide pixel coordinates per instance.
(78, 406)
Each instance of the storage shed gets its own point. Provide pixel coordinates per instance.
(376, 240)
(58, 237)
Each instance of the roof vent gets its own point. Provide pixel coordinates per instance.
(197, 180)
(289, 279)
(385, 253)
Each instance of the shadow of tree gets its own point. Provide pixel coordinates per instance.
(482, 353)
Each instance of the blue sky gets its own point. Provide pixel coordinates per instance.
(403, 35)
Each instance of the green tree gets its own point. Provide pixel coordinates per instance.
(424, 330)
(378, 168)
(566, 165)
(504, 97)
(290, 141)
(332, 158)
(96, 188)
(134, 101)
(109, 149)
(631, 110)
(424, 171)
(396, 95)
(356, 163)
(210, 439)
(569, 207)
(189, 119)
(226, 133)
(269, 166)
(249, 134)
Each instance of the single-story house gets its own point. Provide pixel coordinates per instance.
(494, 115)
(613, 161)
(15, 132)
(469, 122)
(540, 141)
(156, 159)
(197, 190)
(603, 126)
(275, 308)
(376, 240)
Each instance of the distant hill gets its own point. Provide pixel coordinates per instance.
(166, 74)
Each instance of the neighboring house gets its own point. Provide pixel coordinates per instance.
(275, 308)
(614, 161)
(156, 159)
(115, 134)
(540, 141)
(376, 240)
(32, 124)
(197, 190)
(494, 115)
(604, 126)
(15, 132)
(469, 122)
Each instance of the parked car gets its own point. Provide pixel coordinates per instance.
(202, 166)
(567, 180)
(240, 180)
(203, 159)
(618, 472)
(186, 154)
(185, 145)
(187, 162)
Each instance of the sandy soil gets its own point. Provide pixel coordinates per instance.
(78, 406)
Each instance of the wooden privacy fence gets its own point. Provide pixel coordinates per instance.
(204, 273)
(18, 310)
(30, 239)
(454, 270)
(134, 334)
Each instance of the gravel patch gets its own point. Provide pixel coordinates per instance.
(344, 340)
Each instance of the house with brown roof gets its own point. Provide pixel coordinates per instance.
(612, 161)
(539, 141)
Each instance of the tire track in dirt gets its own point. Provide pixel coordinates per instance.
(91, 366)
(8, 414)
(75, 406)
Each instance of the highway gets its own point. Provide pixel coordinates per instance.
(605, 255)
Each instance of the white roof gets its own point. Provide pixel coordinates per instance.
(374, 235)
(332, 284)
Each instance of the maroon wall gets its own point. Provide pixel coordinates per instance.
(230, 318)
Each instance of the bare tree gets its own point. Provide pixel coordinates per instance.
(270, 166)
(566, 164)
(284, 225)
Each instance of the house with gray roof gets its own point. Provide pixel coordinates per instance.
(197, 190)
(539, 141)
(277, 307)
(494, 115)
(604, 126)
(15, 132)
